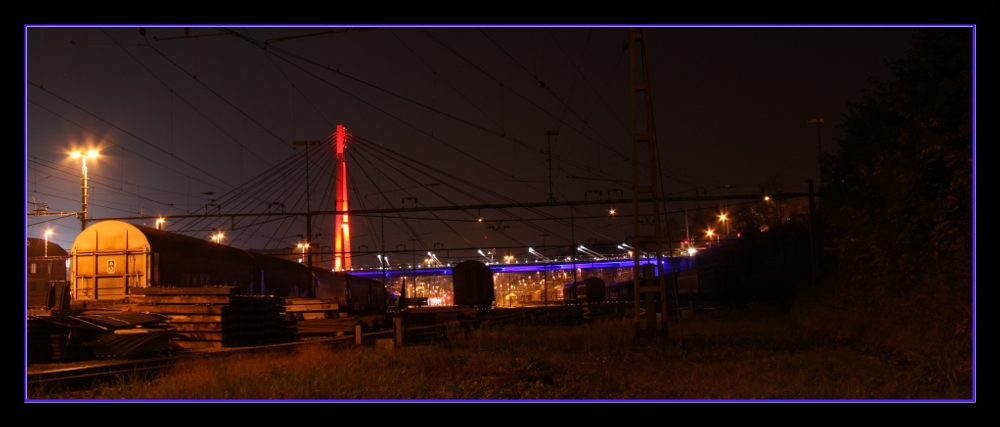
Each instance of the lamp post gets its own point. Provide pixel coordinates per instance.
(303, 247)
(710, 233)
(723, 218)
(47, 234)
(159, 223)
(83, 157)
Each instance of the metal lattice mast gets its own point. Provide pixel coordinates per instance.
(645, 185)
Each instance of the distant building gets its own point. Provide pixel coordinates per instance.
(47, 285)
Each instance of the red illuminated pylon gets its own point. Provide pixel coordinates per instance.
(342, 241)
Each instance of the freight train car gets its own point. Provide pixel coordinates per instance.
(473, 284)
(110, 259)
(280, 277)
(589, 290)
(620, 291)
(356, 294)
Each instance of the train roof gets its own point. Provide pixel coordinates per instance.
(119, 235)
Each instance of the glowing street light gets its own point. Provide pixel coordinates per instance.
(537, 254)
(47, 234)
(217, 237)
(630, 250)
(303, 246)
(590, 252)
(435, 258)
(159, 223)
(722, 217)
(83, 158)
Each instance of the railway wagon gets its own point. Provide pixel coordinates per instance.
(589, 290)
(355, 294)
(111, 258)
(620, 291)
(280, 277)
(473, 285)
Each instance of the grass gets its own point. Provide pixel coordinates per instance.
(739, 354)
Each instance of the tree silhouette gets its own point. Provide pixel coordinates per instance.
(899, 191)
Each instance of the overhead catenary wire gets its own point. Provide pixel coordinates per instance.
(222, 98)
(280, 53)
(102, 138)
(174, 93)
(522, 97)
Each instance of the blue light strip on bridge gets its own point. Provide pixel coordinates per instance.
(685, 263)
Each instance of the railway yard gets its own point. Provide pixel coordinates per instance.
(82, 361)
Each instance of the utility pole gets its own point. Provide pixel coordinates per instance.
(687, 228)
(545, 282)
(309, 235)
(550, 134)
(413, 254)
(644, 135)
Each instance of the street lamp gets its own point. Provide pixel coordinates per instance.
(537, 254)
(435, 258)
(303, 246)
(722, 217)
(710, 233)
(47, 234)
(83, 158)
(159, 223)
(217, 237)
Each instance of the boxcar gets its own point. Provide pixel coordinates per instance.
(589, 290)
(110, 258)
(473, 284)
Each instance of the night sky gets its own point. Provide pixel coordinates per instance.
(445, 116)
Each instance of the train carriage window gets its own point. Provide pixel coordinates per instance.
(33, 269)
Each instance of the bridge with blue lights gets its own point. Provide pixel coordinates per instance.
(677, 264)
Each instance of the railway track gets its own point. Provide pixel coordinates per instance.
(85, 374)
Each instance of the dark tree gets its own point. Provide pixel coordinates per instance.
(899, 192)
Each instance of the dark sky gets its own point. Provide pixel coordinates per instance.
(185, 123)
